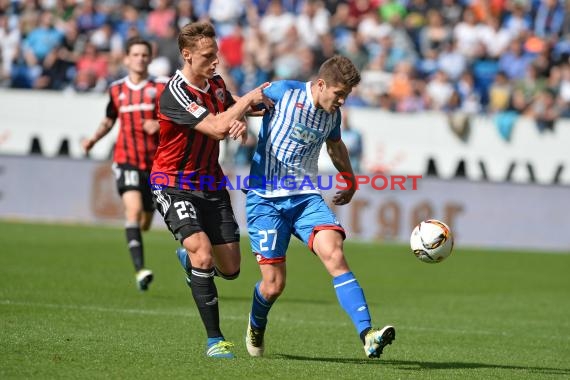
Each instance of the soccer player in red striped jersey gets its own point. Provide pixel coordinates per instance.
(132, 100)
(196, 111)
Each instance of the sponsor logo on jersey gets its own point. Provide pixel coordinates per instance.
(150, 92)
(304, 135)
(195, 109)
(137, 107)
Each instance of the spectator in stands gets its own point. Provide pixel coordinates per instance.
(88, 17)
(391, 8)
(276, 23)
(356, 11)
(500, 93)
(564, 90)
(256, 9)
(478, 37)
(451, 61)
(313, 22)
(258, 46)
(494, 38)
(200, 9)
(401, 86)
(427, 65)
(354, 49)
(545, 110)
(415, 19)
(532, 84)
(417, 101)
(248, 75)
(469, 97)
(10, 40)
(231, 47)
(375, 84)
(451, 11)
(58, 70)
(167, 48)
(484, 70)
(226, 14)
(92, 71)
(518, 21)
(466, 35)
(184, 13)
(514, 62)
(439, 91)
(401, 39)
(393, 53)
(131, 24)
(549, 19)
(160, 18)
(326, 49)
(435, 35)
(40, 42)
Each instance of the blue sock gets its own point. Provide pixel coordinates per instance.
(259, 309)
(351, 298)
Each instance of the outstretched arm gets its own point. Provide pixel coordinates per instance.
(339, 156)
(104, 127)
(226, 123)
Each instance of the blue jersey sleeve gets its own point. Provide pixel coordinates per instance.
(335, 132)
(275, 90)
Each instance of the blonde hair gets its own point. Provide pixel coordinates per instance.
(192, 33)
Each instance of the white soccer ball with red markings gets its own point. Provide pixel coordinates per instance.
(431, 241)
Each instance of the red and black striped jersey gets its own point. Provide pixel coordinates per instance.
(186, 157)
(132, 104)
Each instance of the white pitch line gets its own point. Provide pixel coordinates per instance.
(298, 321)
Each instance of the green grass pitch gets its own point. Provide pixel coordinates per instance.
(69, 309)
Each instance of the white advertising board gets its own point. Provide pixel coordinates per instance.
(482, 214)
(398, 143)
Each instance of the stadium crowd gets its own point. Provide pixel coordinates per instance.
(500, 57)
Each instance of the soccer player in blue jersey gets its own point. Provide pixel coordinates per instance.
(305, 116)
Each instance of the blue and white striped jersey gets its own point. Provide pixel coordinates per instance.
(292, 133)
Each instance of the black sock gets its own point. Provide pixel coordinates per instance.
(206, 297)
(134, 241)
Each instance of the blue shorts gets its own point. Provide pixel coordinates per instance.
(271, 221)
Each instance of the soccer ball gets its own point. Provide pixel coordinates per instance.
(431, 241)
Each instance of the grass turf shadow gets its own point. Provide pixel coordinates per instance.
(416, 365)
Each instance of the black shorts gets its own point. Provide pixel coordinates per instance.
(130, 178)
(187, 212)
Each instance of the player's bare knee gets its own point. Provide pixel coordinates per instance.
(201, 258)
(331, 254)
(272, 290)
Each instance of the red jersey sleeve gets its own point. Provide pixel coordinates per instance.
(178, 105)
(112, 112)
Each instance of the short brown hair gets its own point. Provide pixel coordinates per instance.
(137, 41)
(194, 32)
(339, 70)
